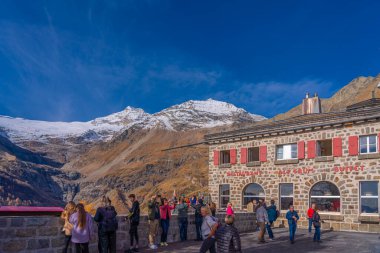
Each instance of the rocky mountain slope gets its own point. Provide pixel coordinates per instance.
(100, 153)
(359, 89)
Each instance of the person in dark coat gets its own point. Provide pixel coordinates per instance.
(272, 217)
(228, 238)
(316, 219)
(198, 218)
(134, 220)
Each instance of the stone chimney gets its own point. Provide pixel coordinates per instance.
(311, 105)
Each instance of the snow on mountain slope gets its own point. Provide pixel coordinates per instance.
(188, 115)
(203, 114)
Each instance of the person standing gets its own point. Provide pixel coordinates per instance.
(213, 209)
(198, 218)
(250, 207)
(292, 218)
(134, 220)
(182, 210)
(317, 225)
(67, 227)
(209, 228)
(193, 200)
(230, 210)
(153, 220)
(227, 237)
(310, 213)
(272, 217)
(165, 215)
(82, 229)
(262, 219)
(107, 220)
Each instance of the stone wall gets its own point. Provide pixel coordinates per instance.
(43, 234)
(270, 174)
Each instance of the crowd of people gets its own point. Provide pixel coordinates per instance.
(214, 236)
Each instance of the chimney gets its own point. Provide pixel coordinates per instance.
(311, 105)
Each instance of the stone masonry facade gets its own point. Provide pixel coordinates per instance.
(346, 172)
(43, 234)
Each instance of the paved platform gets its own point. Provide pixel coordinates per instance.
(336, 242)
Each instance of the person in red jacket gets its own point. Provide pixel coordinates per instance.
(310, 213)
(165, 215)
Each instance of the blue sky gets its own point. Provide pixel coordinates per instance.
(77, 60)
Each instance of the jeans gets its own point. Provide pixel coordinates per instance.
(317, 234)
(165, 229)
(310, 224)
(208, 244)
(67, 243)
(269, 229)
(183, 228)
(81, 248)
(133, 234)
(107, 242)
(198, 227)
(292, 231)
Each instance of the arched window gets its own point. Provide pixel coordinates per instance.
(251, 192)
(326, 196)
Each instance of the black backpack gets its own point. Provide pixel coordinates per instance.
(109, 222)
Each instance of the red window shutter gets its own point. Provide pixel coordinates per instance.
(337, 147)
(263, 153)
(353, 145)
(301, 150)
(233, 156)
(216, 157)
(243, 155)
(311, 149)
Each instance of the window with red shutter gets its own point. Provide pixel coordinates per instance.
(243, 155)
(263, 153)
(216, 157)
(337, 147)
(353, 145)
(233, 156)
(311, 149)
(301, 150)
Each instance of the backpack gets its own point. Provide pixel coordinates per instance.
(109, 223)
(216, 220)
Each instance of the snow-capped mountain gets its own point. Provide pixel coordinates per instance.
(185, 116)
(203, 114)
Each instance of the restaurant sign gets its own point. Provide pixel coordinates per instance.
(295, 171)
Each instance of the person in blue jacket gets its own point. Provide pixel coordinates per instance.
(272, 217)
(292, 218)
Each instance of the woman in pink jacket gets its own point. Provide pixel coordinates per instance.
(165, 215)
(229, 210)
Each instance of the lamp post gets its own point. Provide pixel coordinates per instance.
(374, 89)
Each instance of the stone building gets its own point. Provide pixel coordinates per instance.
(331, 159)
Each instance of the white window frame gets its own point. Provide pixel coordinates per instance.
(367, 144)
(287, 151)
(222, 196)
(369, 197)
(251, 196)
(285, 196)
(327, 197)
